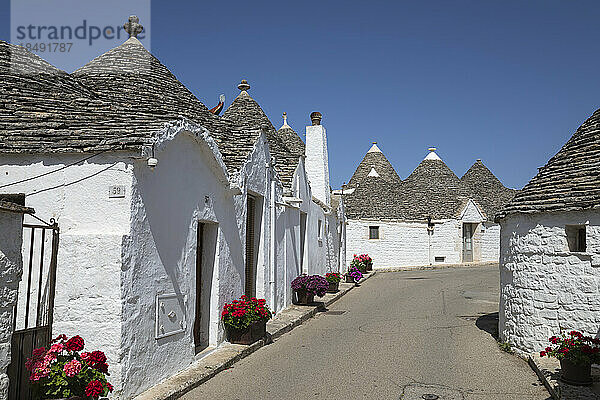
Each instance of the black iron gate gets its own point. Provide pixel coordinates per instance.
(33, 313)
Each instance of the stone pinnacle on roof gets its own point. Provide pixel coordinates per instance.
(432, 155)
(244, 86)
(285, 124)
(133, 26)
(374, 148)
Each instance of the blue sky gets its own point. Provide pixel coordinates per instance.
(505, 81)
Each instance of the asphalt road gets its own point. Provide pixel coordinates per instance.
(399, 336)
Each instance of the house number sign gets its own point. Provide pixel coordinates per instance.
(116, 191)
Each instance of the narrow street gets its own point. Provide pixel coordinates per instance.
(399, 336)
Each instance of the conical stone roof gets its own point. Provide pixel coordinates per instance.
(374, 159)
(487, 190)
(245, 111)
(570, 180)
(123, 97)
(291, 139)
(431, 190)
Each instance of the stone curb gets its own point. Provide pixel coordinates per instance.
(548, 369)
(542, 378)
(227, 354)
(437, 266)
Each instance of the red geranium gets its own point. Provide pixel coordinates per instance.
(239, 314)
(94, 389)
(574, 347)
(61, 369)
(75, 343)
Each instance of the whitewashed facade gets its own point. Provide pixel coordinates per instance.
(140, 221)
(431, 218)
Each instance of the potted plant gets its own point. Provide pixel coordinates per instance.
(333, 278)
(353, 275)
(307, 287)
(62, 372)
(576, 354)
(362, 262)
(245, 320)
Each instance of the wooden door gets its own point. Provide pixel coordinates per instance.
(302, 238)
(250, 286)
(468, 242)
(200, 337)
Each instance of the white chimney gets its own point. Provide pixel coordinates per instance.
(317, 164)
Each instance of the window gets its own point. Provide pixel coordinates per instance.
(576, 237)
(440, 259)
(373, 232)
(320, 229)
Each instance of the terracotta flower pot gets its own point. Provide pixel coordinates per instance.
(575, 374)
(333, 287)
(304, 298)
(255, 331)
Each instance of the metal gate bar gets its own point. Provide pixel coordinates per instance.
(27, 338)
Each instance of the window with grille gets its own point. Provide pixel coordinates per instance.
(373, 232)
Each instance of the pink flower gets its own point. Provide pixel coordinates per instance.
(72, 368)
(49, 357)
(56, 348)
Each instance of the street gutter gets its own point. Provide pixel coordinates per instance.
(227, 354)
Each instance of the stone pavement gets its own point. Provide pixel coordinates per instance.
(401, 336)
(219, 359)
(548, 369)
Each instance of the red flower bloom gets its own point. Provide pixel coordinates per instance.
(75, 343)
(97, 357)
(60, 338)
(94, 389)
(109, 387)
(102, 367)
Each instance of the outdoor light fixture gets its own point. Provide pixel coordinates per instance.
(152, 161)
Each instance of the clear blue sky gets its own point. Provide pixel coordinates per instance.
(504, 81)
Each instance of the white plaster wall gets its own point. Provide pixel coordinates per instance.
(159, 257)
(92, 226)
(545, 288)
(490, 242)
(403, 244)
(11, 269)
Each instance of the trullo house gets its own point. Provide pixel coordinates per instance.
(165, 210)
(550, 247)
(431, 217)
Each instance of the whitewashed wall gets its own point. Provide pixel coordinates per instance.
(405, 244)
(490, 242)
(92, 230)
(545, 288)
(159, 257)
(11, 270)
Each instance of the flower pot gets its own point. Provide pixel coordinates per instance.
(255, 331)
(370, 267)
(575, 374)
(333, 287)
(304, 298)
(362, 268)
(349, 279)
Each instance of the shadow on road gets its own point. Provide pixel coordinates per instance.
(488, 323)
